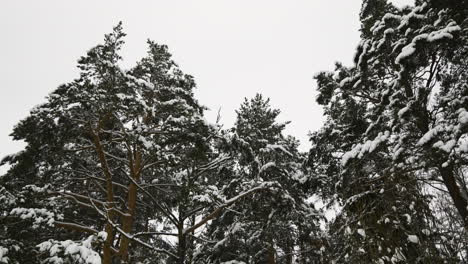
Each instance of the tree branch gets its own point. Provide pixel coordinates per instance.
(218, 210)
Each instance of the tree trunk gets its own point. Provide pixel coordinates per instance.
(290, 249)
(454, 190)
(181, 248)
(271, 259)
(127, 226)
(107, 248)
(128, 222)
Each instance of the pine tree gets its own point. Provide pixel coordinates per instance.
(121, 158)
(269, 227)
(384, 133)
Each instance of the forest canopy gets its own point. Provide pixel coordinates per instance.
(120, 165)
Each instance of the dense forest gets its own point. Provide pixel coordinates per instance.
(120, 165)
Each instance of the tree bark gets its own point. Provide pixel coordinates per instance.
(290, 251)
(135, 164)
(271, 259)
(461, 204)
(107, 248)
(181, 251)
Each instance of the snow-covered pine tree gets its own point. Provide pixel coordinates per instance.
(396, 126)
(189, 175)
(185, 155)
(58, 162)
(122, 159)
(409, 62)
(275, 226)
(378, 211)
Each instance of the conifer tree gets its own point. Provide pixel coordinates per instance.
(122, 159)
(270, 227)
(396, 126)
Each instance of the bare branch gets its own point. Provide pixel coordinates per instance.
(75, 227)
(165, 211)
(154, 233)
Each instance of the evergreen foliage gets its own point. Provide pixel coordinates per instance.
(120, 165)
(395, 135)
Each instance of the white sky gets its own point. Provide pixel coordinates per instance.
(233, 48)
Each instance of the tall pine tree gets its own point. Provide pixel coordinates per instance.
(395, 127)
(274, 226)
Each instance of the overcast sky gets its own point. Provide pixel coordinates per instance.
(233, 48)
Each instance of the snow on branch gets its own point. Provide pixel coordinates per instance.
(444, 33)
(78, 252)
(368, 147)
(280, 148)
(227, 203)
(38, 215)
